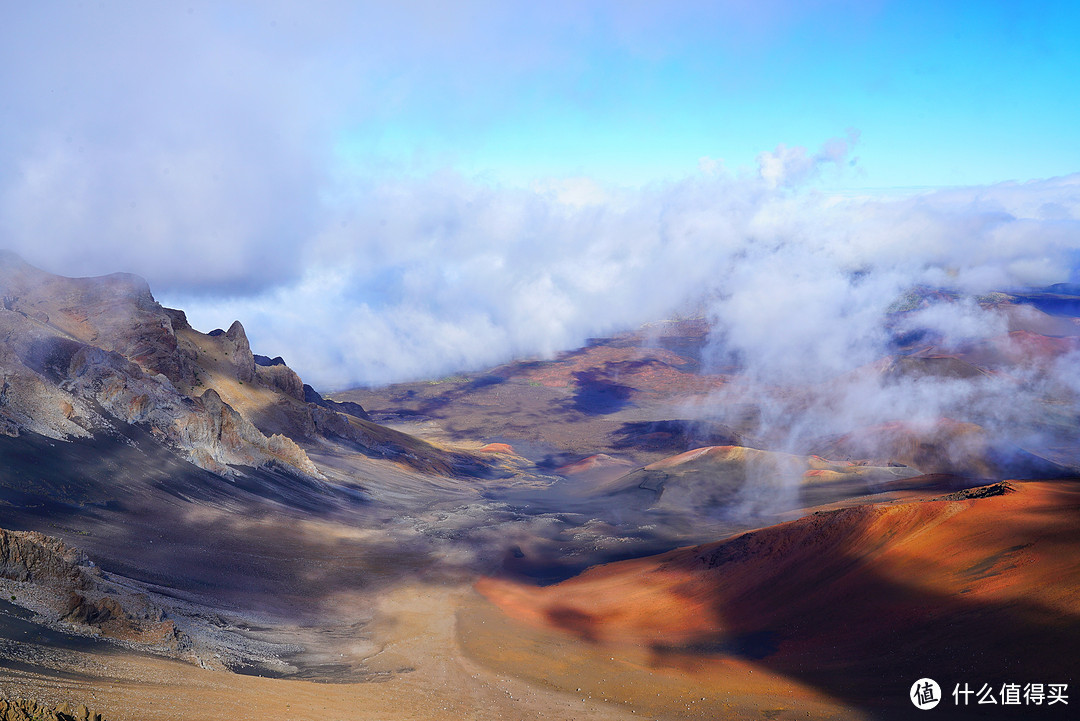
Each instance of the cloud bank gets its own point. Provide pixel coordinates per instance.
(206, 147)
(425, 277)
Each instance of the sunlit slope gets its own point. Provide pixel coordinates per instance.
(982, 585)
(720, 478)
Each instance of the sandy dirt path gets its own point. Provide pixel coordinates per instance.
(416, 632)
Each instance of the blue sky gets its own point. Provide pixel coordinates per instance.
(942, 93)
(383, 191)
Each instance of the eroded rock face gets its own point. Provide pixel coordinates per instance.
(29, 556)
(114, 312)
(77, 348)
(282, 378)
(29, 710)
(238, 350)
(82, 355)
(134, 619)
(353, 409)
(76, 594)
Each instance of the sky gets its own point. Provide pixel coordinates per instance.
(385, 191)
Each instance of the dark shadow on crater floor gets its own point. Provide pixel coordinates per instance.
(598, 394)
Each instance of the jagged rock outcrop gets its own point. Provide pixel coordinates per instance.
(28, 403)
(29, 710)
(236, 347)
(209, 432)
(277, 375)
(76, 593)
(236, 440)
(74, 348)
(29, 556)
(133, 619)
(79, 355)
(90, 613)
(115, 312)
(353, 409)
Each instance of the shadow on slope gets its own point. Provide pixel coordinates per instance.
(975, 588)
(675, 436)
(41, 476)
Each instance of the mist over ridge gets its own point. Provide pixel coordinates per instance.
(373, 221)
(391, 193)
(796, 281)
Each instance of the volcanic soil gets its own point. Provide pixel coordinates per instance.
(571, 538)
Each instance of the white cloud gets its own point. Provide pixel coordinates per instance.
(422, 277)
(577, 192)
(788, 167)
(200, 158)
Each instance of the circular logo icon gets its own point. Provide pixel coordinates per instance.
(925, 694)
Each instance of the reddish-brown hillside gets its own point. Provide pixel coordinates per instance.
(977, 586)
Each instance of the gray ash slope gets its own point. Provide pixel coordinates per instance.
(150, 445)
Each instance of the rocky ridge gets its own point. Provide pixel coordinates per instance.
(65, 588)
(80, 355)
(30, 710)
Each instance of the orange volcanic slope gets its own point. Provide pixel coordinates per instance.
(859, 602)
